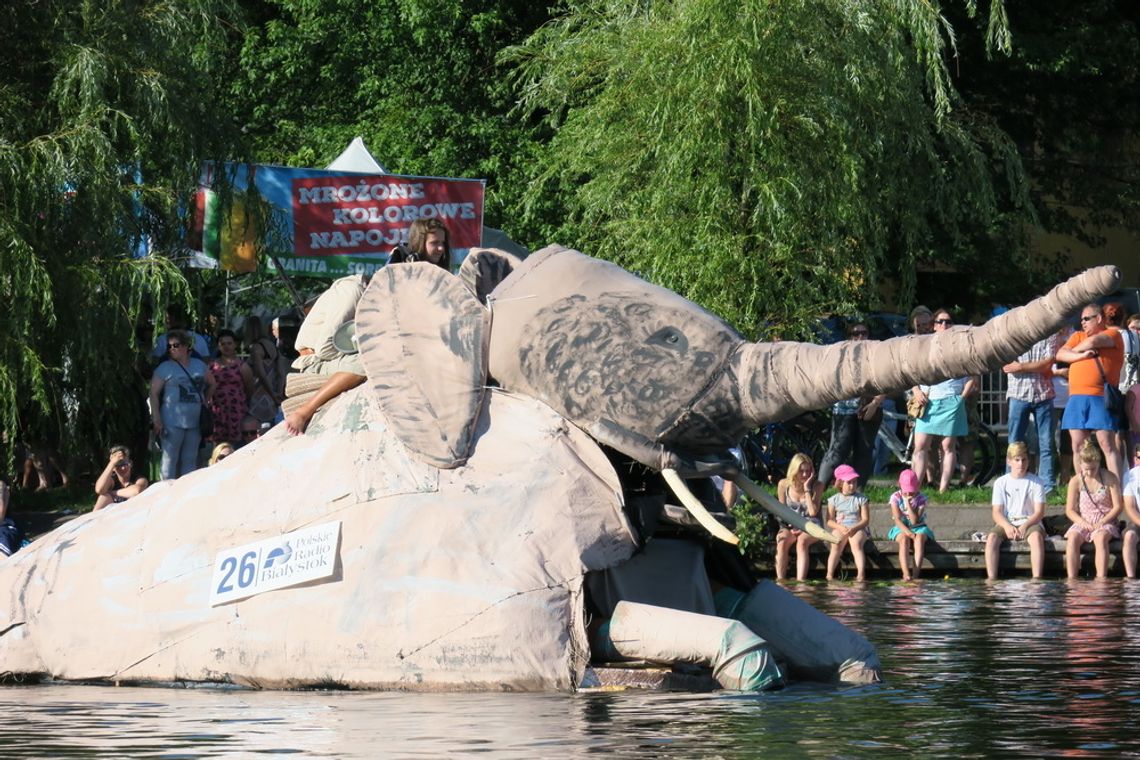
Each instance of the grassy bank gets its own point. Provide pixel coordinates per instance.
(74, 498)
(971, 495)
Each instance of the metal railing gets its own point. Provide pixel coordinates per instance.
(992, 406)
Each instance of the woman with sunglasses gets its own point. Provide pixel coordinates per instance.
(944, 414)
(117, 483)
(178, 389)
(221, 452)
(1095, 355)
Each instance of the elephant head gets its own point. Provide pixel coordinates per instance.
(640, 368)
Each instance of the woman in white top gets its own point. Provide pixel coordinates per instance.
(944, 415)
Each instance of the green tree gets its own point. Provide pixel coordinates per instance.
(1069, 96)
(106, 110)
(416, 79)
(772, 161)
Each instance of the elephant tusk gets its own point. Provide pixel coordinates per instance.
(782, 511)
(696, 509)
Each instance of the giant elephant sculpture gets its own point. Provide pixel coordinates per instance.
(442, 525)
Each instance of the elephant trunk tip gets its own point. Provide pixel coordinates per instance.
(1108, 278)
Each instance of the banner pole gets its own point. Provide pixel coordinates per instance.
(288, 284)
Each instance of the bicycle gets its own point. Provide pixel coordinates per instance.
(986, 448)
(768, 451)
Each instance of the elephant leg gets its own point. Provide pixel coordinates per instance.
(740, 659)
(815, 646)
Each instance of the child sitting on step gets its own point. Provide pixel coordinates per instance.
(848, 517)
(908, 508)
(1018, 508)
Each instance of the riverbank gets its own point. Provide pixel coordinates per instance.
(953, 552)
(958, 548)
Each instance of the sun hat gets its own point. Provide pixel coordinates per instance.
(845, 472)
(344, 339)
(908, 481)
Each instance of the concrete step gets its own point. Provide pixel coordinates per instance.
(955, 557)
(948, 521)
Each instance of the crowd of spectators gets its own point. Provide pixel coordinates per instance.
(1067, 379)
(1060, 396)
(207, 399)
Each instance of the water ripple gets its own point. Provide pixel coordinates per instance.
(974, 668)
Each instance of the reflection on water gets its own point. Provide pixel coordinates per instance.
(1016, 667)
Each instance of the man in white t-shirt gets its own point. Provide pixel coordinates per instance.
(1018, 509)
(1132, 514)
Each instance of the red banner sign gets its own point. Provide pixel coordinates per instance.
(355, 214)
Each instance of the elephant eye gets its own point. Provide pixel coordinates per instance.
(671, 338)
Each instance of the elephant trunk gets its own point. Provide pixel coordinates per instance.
(781, 380)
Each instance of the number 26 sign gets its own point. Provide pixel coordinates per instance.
(298, 557)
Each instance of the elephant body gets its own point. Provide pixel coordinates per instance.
(505, 448)
(445, 579)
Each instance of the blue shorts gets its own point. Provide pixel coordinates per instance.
(922, 530)
(1087, 413)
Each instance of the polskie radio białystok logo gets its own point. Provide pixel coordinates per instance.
(278, 556)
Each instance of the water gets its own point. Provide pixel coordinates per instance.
(974, 669)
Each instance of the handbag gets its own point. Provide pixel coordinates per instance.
(1113, 398)
(915, 408)
(205, 421)
(205, 415)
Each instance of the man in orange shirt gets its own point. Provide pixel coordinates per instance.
(1085, 412)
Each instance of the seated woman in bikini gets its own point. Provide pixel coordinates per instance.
(117, 482)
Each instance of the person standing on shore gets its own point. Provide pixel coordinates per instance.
(943, 415)
(179, 389)
(234, 384)
(1030, 393)
(854, 425)
(1095, 355)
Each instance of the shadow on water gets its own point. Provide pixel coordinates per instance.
(974, 669)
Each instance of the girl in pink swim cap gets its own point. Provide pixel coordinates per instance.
(908, 508)
(848, 517)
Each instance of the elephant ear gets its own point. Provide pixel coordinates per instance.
(485, 268)
(423, 342)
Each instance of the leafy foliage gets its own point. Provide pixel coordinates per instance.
(106, 110)
(755, 528)
(768, 160)
(415, 78)
(772, 161)
(1068, 96)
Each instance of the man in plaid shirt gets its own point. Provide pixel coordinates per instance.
(1030, 392)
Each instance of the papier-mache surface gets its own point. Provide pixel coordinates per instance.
(443, 579)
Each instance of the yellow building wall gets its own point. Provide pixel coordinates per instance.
(1121, 248)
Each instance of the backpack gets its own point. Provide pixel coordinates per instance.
(1130, 371)
(11, 537)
